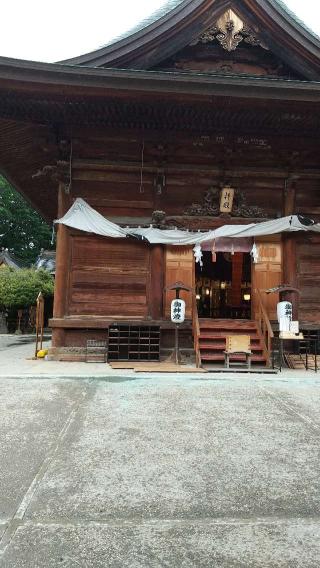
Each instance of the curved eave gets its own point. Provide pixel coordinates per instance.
(128, 47)
(65, 80)
(177, 28)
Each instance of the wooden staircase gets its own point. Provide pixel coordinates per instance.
(212, 340)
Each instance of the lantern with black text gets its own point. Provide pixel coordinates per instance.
(178, 310)
(284, 313)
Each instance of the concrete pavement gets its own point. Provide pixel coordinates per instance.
(173, 471)
(16, 358)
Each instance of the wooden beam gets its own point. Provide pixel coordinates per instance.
(86, 169)
(102, 322)
(290, 250)
(62, 269)
(104, 135)
(156, 282)
(235, 292)
(118, 203)
(55, 79)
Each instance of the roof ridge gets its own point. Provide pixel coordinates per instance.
(170, 5)
(284, 6)
(156, 15)
(145, 44)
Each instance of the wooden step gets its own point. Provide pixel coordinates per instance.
(229, 329)
(222, 346)
(220, 357)
(212, 340)
(226, 322)
(222, 338)
(223, 334)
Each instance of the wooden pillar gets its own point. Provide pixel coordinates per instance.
(289, 251)
(62, 268)
(156, 282)
(235, 292)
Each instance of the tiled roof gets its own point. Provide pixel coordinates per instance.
(154, 17)
(300, 22)
(172, 4)
(10, 260)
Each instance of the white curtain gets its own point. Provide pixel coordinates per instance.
(84, 218)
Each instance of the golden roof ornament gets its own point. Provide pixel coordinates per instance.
(229, 27)
(230, 30)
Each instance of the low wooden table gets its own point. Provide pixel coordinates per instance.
(227, 357)
(237, 345)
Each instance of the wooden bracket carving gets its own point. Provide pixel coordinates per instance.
(158, 218)
(230, 30)
(59, 173)
(211, 206)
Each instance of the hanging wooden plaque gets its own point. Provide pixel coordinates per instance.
(226, 199)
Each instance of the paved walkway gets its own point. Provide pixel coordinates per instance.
(144, 471)
(16, 356)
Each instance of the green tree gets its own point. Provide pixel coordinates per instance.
(20, 288)
(22, 231)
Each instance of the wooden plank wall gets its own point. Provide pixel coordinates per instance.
(113, 278)
(109, 277)
(107, 172)
(308, 272)
(267, 273)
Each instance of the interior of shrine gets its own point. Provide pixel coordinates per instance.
(223, 285)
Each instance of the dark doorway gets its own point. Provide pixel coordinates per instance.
(223, 287)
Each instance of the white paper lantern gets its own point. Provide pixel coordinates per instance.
(284, 313)
(178, 311)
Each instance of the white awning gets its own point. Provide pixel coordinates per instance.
(84, 218)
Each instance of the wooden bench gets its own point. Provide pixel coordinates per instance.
(237, 345)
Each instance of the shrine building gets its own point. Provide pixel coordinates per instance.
(187, 150)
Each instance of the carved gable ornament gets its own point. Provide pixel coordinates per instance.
(230, 30)
(213, 201)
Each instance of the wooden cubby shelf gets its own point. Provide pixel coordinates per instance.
(133, 343)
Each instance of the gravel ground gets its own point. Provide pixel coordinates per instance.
(160, 471)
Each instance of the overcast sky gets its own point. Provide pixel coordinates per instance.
(50, 31)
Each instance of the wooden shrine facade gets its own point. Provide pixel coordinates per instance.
(230, 97)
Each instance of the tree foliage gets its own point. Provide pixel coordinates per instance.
(20, 288)
(22, 231)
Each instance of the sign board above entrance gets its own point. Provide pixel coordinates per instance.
(226, 199)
